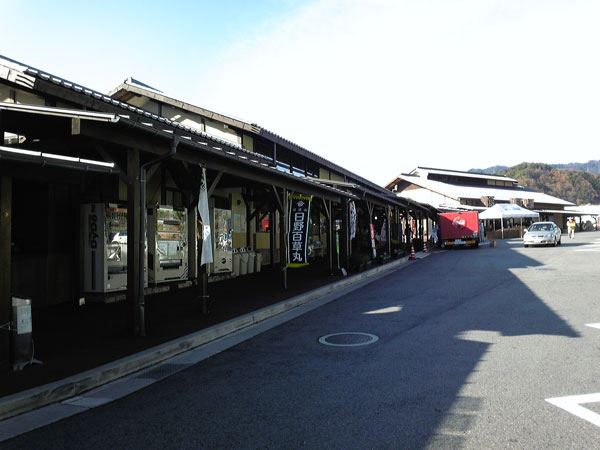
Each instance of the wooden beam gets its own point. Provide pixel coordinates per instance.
(327, 209)
(345, 236)
(272, 236)
(5, 273)
(330, 235)
(388, 211)
(214, 184)
(107, 157)
(407, 229)
(283, 239)
(133, 242)
(75, 126)
(198, 155)
(256, 212)
(192, 249)
(279, 202)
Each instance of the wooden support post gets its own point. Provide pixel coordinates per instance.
(407, 229)
(248, 221)
(345, 235)
(133, 242)
(192, 244)
(330, 239)
(205, 295)
(388, 211)
(5, 273)
(370, 208)
(283, 238)
(272, 238)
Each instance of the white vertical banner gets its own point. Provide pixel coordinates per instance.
(207, 254)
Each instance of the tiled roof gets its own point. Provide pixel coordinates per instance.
(457, 192)
(458, 173)
(153, 93)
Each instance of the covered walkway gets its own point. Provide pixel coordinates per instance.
(70, 339)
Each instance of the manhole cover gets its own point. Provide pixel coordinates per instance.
(348, 339)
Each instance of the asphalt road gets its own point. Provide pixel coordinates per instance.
(471, 345)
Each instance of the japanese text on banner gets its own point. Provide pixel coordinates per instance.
(298, 229)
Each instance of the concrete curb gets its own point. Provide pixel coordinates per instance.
(58, 391)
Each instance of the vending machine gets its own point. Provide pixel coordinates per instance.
(105, 248)
(167, 236)
(222, 238)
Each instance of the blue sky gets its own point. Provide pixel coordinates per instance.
(377, 86)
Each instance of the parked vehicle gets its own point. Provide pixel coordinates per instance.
(542, 233)
(459, 228)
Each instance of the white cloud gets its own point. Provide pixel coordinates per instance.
(382, 86)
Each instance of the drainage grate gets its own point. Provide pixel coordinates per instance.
(162, 371)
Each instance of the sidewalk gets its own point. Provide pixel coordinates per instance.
(85, 347)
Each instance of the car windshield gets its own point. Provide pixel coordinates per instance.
(540, 227)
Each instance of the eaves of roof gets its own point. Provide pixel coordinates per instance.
(165, 133)
(160, 97)
(26, 76)
(253, 128)
(319, 159)
(459, 191)
(556, 211)
(464, 174)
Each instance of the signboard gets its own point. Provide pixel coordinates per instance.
(22, 311)
(298, 223)
(223, 251)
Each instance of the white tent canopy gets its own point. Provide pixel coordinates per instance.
(507, 211)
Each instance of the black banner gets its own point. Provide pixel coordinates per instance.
(298, 225)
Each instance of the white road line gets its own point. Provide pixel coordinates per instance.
(593, 325)
(573, 404)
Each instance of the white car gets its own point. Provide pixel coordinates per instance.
(542, 233)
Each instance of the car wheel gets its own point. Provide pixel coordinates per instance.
(560, 240)
(554, 245)
(525, 245)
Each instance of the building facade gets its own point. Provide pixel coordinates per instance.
(99, 195)
(452, 190)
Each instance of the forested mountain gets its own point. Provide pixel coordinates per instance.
(490, 170)
(592, 166)
(574, 186)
